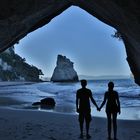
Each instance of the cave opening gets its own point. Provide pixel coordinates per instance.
(82, 38)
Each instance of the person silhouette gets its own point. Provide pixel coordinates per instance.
(83, 97)
(112, 108)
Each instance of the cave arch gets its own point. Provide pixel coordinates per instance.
(18, 18)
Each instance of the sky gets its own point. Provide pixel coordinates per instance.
(82, 38)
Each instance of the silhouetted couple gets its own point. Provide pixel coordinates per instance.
(83, 97)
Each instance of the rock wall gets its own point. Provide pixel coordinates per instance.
(64, 71)
(20, 17)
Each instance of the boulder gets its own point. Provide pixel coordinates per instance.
(45, 103)
(48, 102)
(36, 103)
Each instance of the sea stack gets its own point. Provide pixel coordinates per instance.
(64, 70)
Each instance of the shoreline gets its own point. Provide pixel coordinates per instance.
(18, 102)
(15, 83)
(28, 125)
(130, 113)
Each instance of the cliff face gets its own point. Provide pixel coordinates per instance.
(19, 17)
(64, 71)
(14, 68)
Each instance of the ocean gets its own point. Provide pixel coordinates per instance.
(65, 95)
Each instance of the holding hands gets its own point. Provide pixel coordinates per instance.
(98, 108)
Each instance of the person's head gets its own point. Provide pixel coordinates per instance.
(83, 83)
(110, 85)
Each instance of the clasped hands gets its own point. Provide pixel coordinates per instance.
(98, 108)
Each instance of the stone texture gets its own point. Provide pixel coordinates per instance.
(20, 17)
(64, 71)
(47, 103)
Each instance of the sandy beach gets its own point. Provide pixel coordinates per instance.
(34, 125)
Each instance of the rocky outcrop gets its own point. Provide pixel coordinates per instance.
(64, 71)
(20, 17)
(15, 68)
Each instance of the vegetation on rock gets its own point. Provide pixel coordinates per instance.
(13, 68)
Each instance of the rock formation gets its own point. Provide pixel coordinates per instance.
(15, 68)
(64, 71)
(47, 103)
(50, 102)
(20, 17)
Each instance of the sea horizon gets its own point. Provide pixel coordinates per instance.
(91, 77)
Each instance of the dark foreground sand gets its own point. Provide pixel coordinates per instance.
(37, 125)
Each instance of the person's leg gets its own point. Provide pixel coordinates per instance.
(87, 127)
(88, 120)
(81, 122)
(87, 130)
(109, 124)
(115, 125)
(81, 127)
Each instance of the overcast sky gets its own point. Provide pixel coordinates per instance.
(82, 38)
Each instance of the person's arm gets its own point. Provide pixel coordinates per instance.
(104, 101)
(118, 103)
(93, 101)
(77, 103)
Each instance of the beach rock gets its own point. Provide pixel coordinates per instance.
(20, 17)
(36, 103)
(50, 102)
(64, 71)
(47, 103)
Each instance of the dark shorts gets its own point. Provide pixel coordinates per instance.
(112, 110)
(84, 116)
